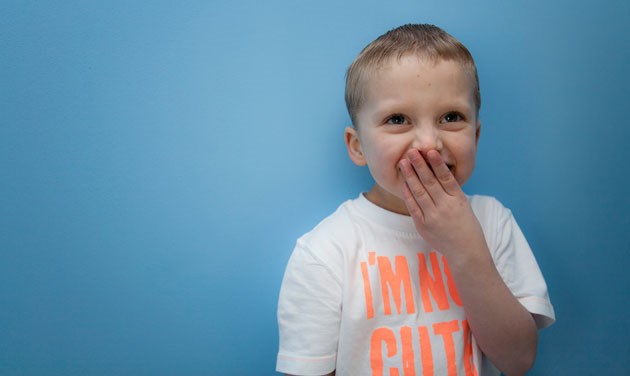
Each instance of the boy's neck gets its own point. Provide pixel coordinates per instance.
(380, 197)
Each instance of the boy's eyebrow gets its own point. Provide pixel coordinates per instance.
(397, 106)
(460, 104)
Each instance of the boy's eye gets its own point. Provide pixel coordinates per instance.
(396, 119)
(452, 117)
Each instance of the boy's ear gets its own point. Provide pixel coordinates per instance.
(478, 132)
(354, 146)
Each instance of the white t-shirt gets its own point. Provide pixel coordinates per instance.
(365, 295)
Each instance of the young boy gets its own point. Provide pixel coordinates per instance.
(413, 277)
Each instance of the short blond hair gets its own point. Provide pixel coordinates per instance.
(423, 40)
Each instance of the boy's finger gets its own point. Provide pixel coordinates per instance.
(414, 185)
(442, 173)
(426, 175)
(414, 209)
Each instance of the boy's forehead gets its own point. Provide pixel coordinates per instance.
(420, 62)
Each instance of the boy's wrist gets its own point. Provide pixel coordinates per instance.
(469, 259)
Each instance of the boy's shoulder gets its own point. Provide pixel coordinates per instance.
(335, 227)
(335, 239)
(496, 220)
(488, 207)
(485, 204)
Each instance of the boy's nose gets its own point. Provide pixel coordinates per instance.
(426, 138)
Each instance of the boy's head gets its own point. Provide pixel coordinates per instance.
(414, 88)
(422, 40)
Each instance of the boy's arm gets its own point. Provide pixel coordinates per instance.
(505, 331)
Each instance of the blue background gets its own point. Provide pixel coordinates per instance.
(159, 159)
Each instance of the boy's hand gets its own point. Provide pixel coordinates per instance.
(505, 331)
(438, 206)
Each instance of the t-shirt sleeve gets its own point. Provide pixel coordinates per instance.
(309, 314)
(518, 267)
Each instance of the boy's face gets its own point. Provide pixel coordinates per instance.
(414, 103)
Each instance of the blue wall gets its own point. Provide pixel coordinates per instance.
(159, 159)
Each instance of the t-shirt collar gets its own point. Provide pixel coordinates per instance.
(384, 217)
